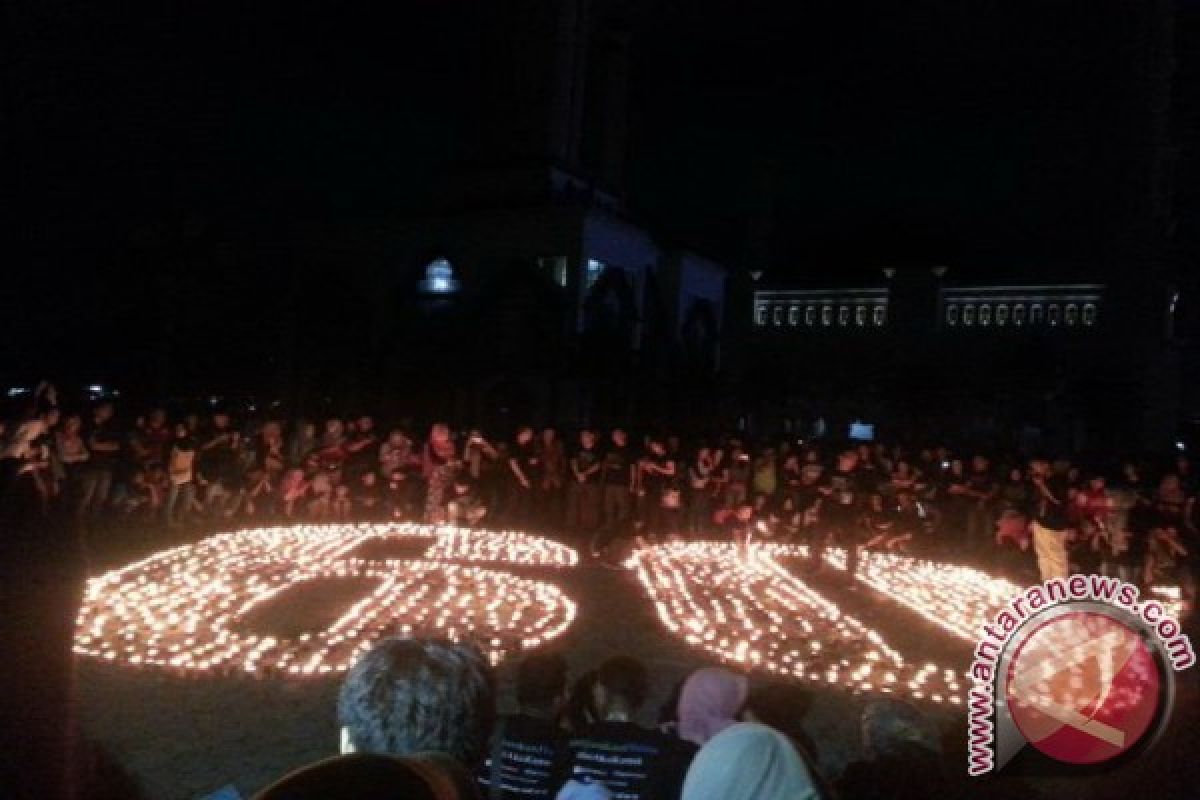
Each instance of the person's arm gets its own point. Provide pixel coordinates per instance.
(573, 463)
(518, 472)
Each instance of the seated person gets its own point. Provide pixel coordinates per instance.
(527, 746)
(628, 760)
(415, 716)
(748, 761)
(417, 696)
(709, 702)
(903, 756)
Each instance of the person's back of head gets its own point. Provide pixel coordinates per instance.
(748, 761)
(368, 776)
(621, 685)
(419, 695)
(542, 682)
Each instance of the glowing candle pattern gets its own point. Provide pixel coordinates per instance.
(181, 608)
(745, 608)
(959, 599)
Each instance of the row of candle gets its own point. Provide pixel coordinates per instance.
(183, 608)
(744, 607)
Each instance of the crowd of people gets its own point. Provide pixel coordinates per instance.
(599, 489)
(418, 720)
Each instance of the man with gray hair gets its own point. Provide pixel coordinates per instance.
(409, 696)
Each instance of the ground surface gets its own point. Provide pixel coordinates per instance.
(185, 737)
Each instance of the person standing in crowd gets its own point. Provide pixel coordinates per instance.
(440, 464)
(395, 452)
(104, 444)
(737, 481)
(840, 510)
(149, 442)
(659, 490)
(699, 485)
(764, 476)
(527, 746)
(618, 477)
(554, 475)
(979, 493)
(583, 490)
(302, 442)
(181, 472)
(525, 478)
(361, 448)
(26, 460)
(266, 471)
(70, 456)
(628, 760)
(1049, 519)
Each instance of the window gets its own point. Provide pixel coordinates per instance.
(951, 314)
(968, 314)
(594, 270)
(760, 315)
(1089, 314)
(1002, 314)
(777, 317)
(860, 316)
(826, 315)
(810, 315)
(1019, 314)
(1052, 314)
(880, 316)
(1071, 316)
(555, 267)
(793, 315)
(439, 278)
(985, 314)
(1035, 314)
(844, 316)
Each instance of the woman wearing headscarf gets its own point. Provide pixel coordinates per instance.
(709, 703)
(748, 761)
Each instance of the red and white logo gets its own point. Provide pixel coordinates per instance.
(1084, 687)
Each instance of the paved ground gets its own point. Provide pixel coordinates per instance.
(182, 738)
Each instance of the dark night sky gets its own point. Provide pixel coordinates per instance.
(979, 134)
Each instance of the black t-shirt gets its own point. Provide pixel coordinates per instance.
(585, 458)
(1052, 515)
(362, 451)
(105, 433)
(616, 466)
(633, 762)
(655, 482)
(530, 751)
(981, 482)
(530, 462)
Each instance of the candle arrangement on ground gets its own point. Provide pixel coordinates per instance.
(957, 598)
(185, 608)
(746, 608)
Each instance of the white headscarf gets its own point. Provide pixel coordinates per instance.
(749, 762)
